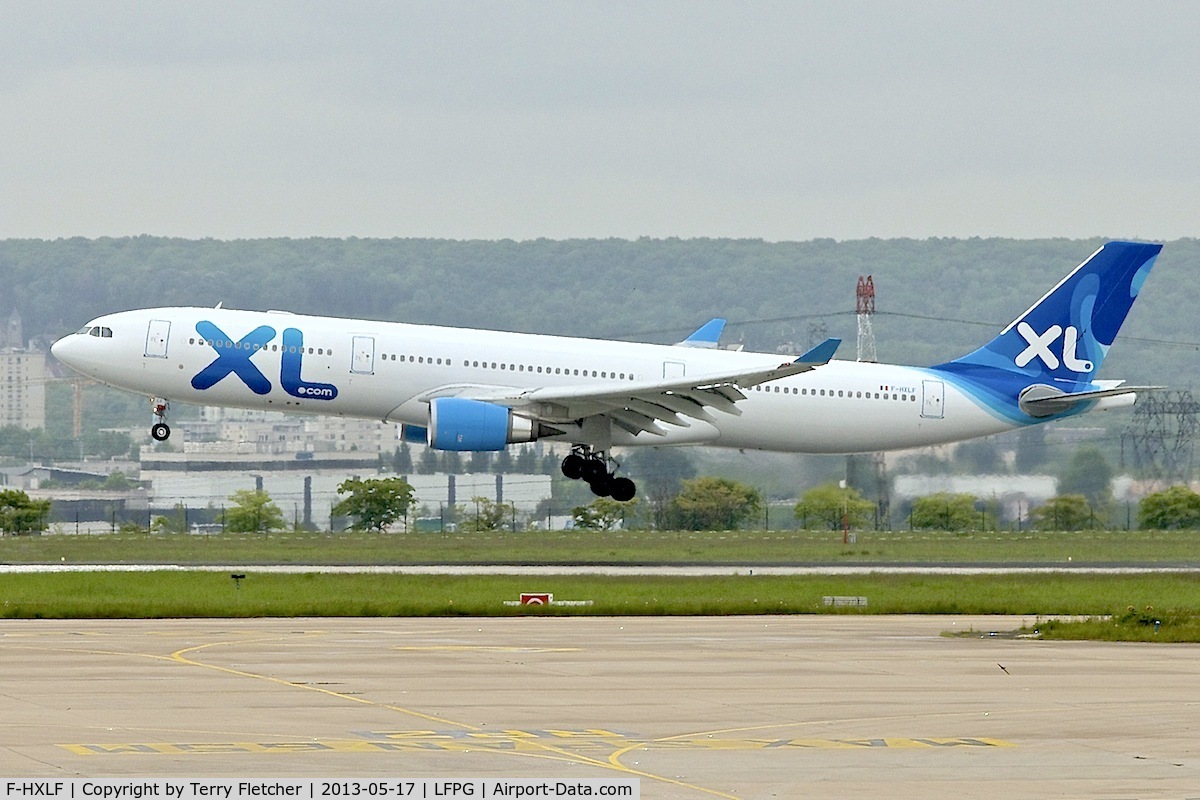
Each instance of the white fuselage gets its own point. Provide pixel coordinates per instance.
(389, 371)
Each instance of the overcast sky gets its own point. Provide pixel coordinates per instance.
(785, 121)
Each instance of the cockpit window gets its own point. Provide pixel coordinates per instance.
(96, 330)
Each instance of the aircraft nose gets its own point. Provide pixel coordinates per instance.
(66, 350)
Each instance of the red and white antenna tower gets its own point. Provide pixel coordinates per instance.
(865, 309)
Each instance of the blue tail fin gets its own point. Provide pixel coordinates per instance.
(1063, 338)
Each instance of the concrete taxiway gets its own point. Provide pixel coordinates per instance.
(735, 707)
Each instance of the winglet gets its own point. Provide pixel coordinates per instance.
(821, 353)
(706, 336)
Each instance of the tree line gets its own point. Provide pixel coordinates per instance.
(935, 295)
(701, 504)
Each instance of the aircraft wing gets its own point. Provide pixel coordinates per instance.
(640, 406)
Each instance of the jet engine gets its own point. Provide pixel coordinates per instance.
(457, 423)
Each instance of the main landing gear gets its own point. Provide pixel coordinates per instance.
(160, 431)
(592, 467)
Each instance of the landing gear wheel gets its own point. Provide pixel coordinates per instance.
(594, 469)
(160, 431)
(602, 485)
(622, 489)
(572, 466)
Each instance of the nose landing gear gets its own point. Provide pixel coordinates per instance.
(160, 431)
(592, 466)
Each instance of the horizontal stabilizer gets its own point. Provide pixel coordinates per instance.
(1041, 400)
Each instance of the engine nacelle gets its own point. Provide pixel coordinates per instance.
(457, 423)
(416, 434)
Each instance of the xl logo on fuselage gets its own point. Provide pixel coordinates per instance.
(234, 358)
(1039, 347)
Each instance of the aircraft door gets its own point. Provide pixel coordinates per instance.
(157, 334)
(933, 398)
(364, 355)
(673, 369)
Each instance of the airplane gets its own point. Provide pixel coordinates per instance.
(481, 390)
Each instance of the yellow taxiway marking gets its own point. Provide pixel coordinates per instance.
(183, 657)
(546, 749)
(569, 746)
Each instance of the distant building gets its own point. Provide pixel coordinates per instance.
(1016, 494)
(22, 379)
(305, 488)
(241, 431)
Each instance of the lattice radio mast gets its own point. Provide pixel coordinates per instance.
(865, 309)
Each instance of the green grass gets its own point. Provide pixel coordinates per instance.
(617, 547)
(123, 595)
(1102, 601)
(1171, 625)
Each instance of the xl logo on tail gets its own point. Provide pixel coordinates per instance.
(1039, 347)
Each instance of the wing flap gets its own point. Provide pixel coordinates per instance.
(657, 412)
(634, 422)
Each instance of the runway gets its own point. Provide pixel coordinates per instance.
(627, 570)
(732, 707)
